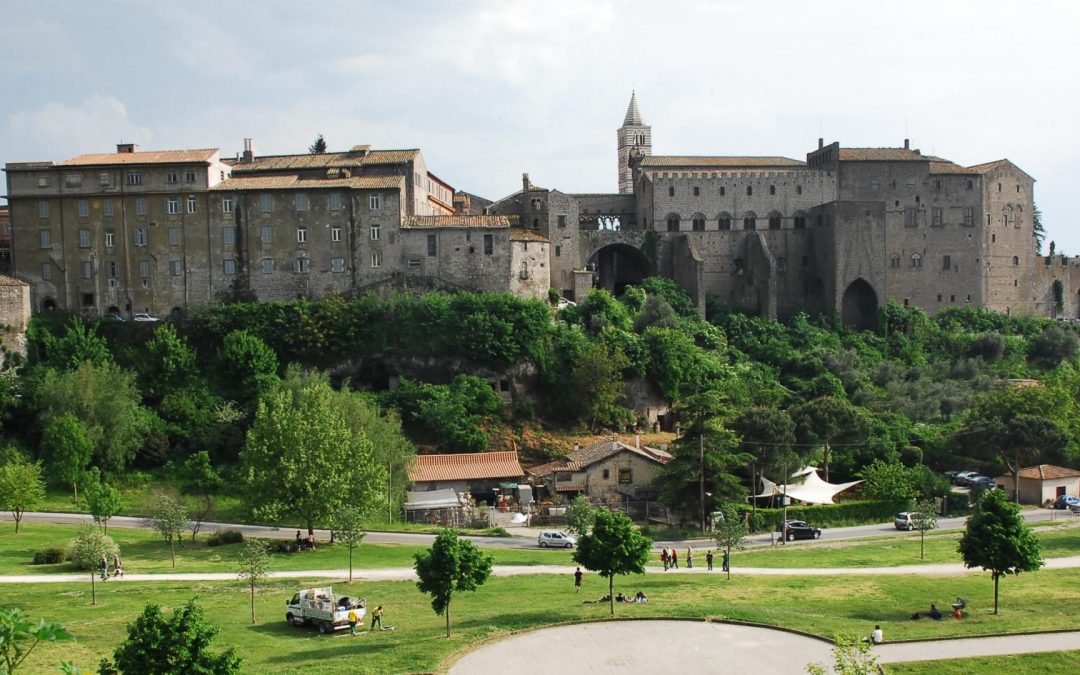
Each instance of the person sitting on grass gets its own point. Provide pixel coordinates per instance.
(641, 597)
(935, 613)
(877, 636)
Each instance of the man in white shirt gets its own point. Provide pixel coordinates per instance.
(877, 637)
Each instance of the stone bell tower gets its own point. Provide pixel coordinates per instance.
(633, 136)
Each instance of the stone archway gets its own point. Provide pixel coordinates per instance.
(859, 308)
(618, 266)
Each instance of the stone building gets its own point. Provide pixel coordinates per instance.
(14, 315)
(5, 240)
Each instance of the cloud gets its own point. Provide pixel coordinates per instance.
(61, 130)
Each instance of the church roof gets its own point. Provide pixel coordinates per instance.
(656, 161)
(633, 115)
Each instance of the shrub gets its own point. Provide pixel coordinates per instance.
(50, 556)
(223, 537)
(829, 515)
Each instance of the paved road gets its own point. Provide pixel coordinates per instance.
(984, 646)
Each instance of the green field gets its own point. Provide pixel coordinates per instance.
(1021, 664)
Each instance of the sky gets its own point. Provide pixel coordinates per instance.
(489, 90)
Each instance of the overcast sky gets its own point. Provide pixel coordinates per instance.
(489, 90)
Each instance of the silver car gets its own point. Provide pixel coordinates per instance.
(904, 521)
(555, 539)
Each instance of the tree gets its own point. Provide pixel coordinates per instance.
(886, 480)
(1016, 440)
(102, 500)
(169, 517)
(1037, 230)
(579, 515)
(1052, 347)
(202, 481)
(348, 524)
(79, 344)
(450, 566)
(853, 656)
(303, 461)
(597, 382)
(169, 365)
(18, 637)
(247, 368)
(318, 147)
(68, 450)
(767, 435)
(255, 565)
(826, 420)
(730, 532)
(21, 489)
(178, 645)
(997, 539)
(924, 518)
(613, 547)
(85, 552)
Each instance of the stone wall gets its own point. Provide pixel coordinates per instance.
(14, 314)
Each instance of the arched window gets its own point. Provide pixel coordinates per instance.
(673, 222)
(671, 192)
(916, 260)
(774, 220)
(739, 265)
(749, 221)
(725, 221)
(698, 222)
(1016, 261)
(800, 220)
(749, 190)
(894, 260)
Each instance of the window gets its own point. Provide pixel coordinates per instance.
(176, 267)
(335, 234)
(800, 220)
(337, 264)
(936, 216)
(696, 191)
(267, 234)
(134, 178)
(626, 476)
(698, 223)
(226, 205)
(84, 208)
(228, 236)
(894, 260)
(84, 238)
(301, 235)
(1016, 261)
(302, 265)
(798, 189)
(110, 239)
(174, 236)
(774, 221)
(431, 244)
(189, 176)
(537, 204)
(673, 223)
(969, 216)
(87, 270)
(140, 236)
(144, 269)
(671, 192)
(911, 216)
(562, 220)
(749, 221)
(749, 190)
(489, 244)
(268, 265)
(43, 209)
(374, 202)
(988, 219)
(43, 181)
(939, 297)
(140, 206)
(266, 202)
(946, 263)
(723, 191)
(46, 239)
(192, 204)
(375, 233)
(301, 202)
(607, 474)
(916, 260)
(937, 184)
(376, 260)
(772, 189)
(107, 208)
(46, 271)
(558, 251)
(335, 201)
(172, 205)
(171, 176)
(228, 266)
(725, 221)
(112, 269)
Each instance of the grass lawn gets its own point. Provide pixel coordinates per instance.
(820, 605)
(146, 552)
(1020, 664)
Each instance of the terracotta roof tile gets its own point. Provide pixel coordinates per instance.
(944, 166)
(295, 183)
(1046, 472)
(11, 281)
(518, 234)
(655, 161)
(428, 222)
(143, 157)
(879, 154)
(471, 466)
(362, 157)
(590, 454)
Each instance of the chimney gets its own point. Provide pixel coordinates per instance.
(820, 143)
(576, 447)
(126, 148)
(614, 444)
(249, 156)
(637, 441)
(907, 144)
(525, 183)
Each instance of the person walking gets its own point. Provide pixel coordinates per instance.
(689, 558)
(104, 565)
(577, 580)
(665, 558)
(376, 618)
(726, 560)
(708, 560)
(674, 558)
(353, 619)
(118, 569)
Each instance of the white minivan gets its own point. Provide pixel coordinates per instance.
(555, 538)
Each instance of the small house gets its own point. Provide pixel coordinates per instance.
(1042, 483)
(481, 474)
(604, 470)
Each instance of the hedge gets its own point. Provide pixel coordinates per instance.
(828, 515)
(222, 537)
(50, 556)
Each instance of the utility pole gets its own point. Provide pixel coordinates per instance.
(783, 529)
(390, 491)
(701, 472)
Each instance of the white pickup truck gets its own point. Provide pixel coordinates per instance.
(321, 607)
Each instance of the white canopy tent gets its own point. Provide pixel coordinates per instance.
(811, 489)
(432, 499)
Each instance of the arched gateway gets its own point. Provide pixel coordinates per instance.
(859, 308)
(619, 266)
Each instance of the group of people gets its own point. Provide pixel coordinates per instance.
(305, 543)
(669, 557)
(936, 615)
(376, 619)
(103, 565)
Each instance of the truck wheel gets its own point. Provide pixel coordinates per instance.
(289, 619)
(324, 627)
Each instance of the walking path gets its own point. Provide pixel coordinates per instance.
(1000, 645)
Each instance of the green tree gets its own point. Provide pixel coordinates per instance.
(827, 420)
(767, 435)
(255, 566)
(1037, 231)
(390, 447)
(924, 517)
(79, 344)
(169, 365)
(579, 515)
(450, 566)
(19, 636)
(613, 547)
(852, 656)
(1016, 441)
(348, 524)
(102, 499)
(21, 489)
(656, 312)
(730, 532)
(169, 518)
(886, 480)
(319, 146)
(179, 645)
(596, 381)
(247, 368)
(997, 539)
(86, 550)
(1052, 347)
(201, 480)
(68, 450)
(302, 460)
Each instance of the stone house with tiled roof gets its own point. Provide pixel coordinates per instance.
(478, 473)
(603, 470)
(1042, 483)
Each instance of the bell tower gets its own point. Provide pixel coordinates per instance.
(634, 137)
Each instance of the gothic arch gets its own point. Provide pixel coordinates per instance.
(617, 266)
(697, 222)
(749, 221)
(724, 221)
(859, 308)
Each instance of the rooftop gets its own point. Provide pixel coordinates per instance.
(470, 466)
(880, 155)
(11, 281)
(358, 156)
(518, 234)
(584, 456)
(727, 162)
(431, 222)
(143, 157)
(1046, 472)
(296, 183)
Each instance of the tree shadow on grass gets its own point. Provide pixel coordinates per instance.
(322, 647)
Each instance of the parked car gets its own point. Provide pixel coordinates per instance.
(556, 539)
(1066, 502)
(964, 477)
(143, 316)
(798, 529)
(904, 521)
(982, 481)
(112, 316)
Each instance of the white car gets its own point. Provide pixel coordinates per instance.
(143, 316)
(564, 303)
(556, 539)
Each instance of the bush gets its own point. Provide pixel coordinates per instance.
(223, 537)
(829, 515)
(50, 556)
